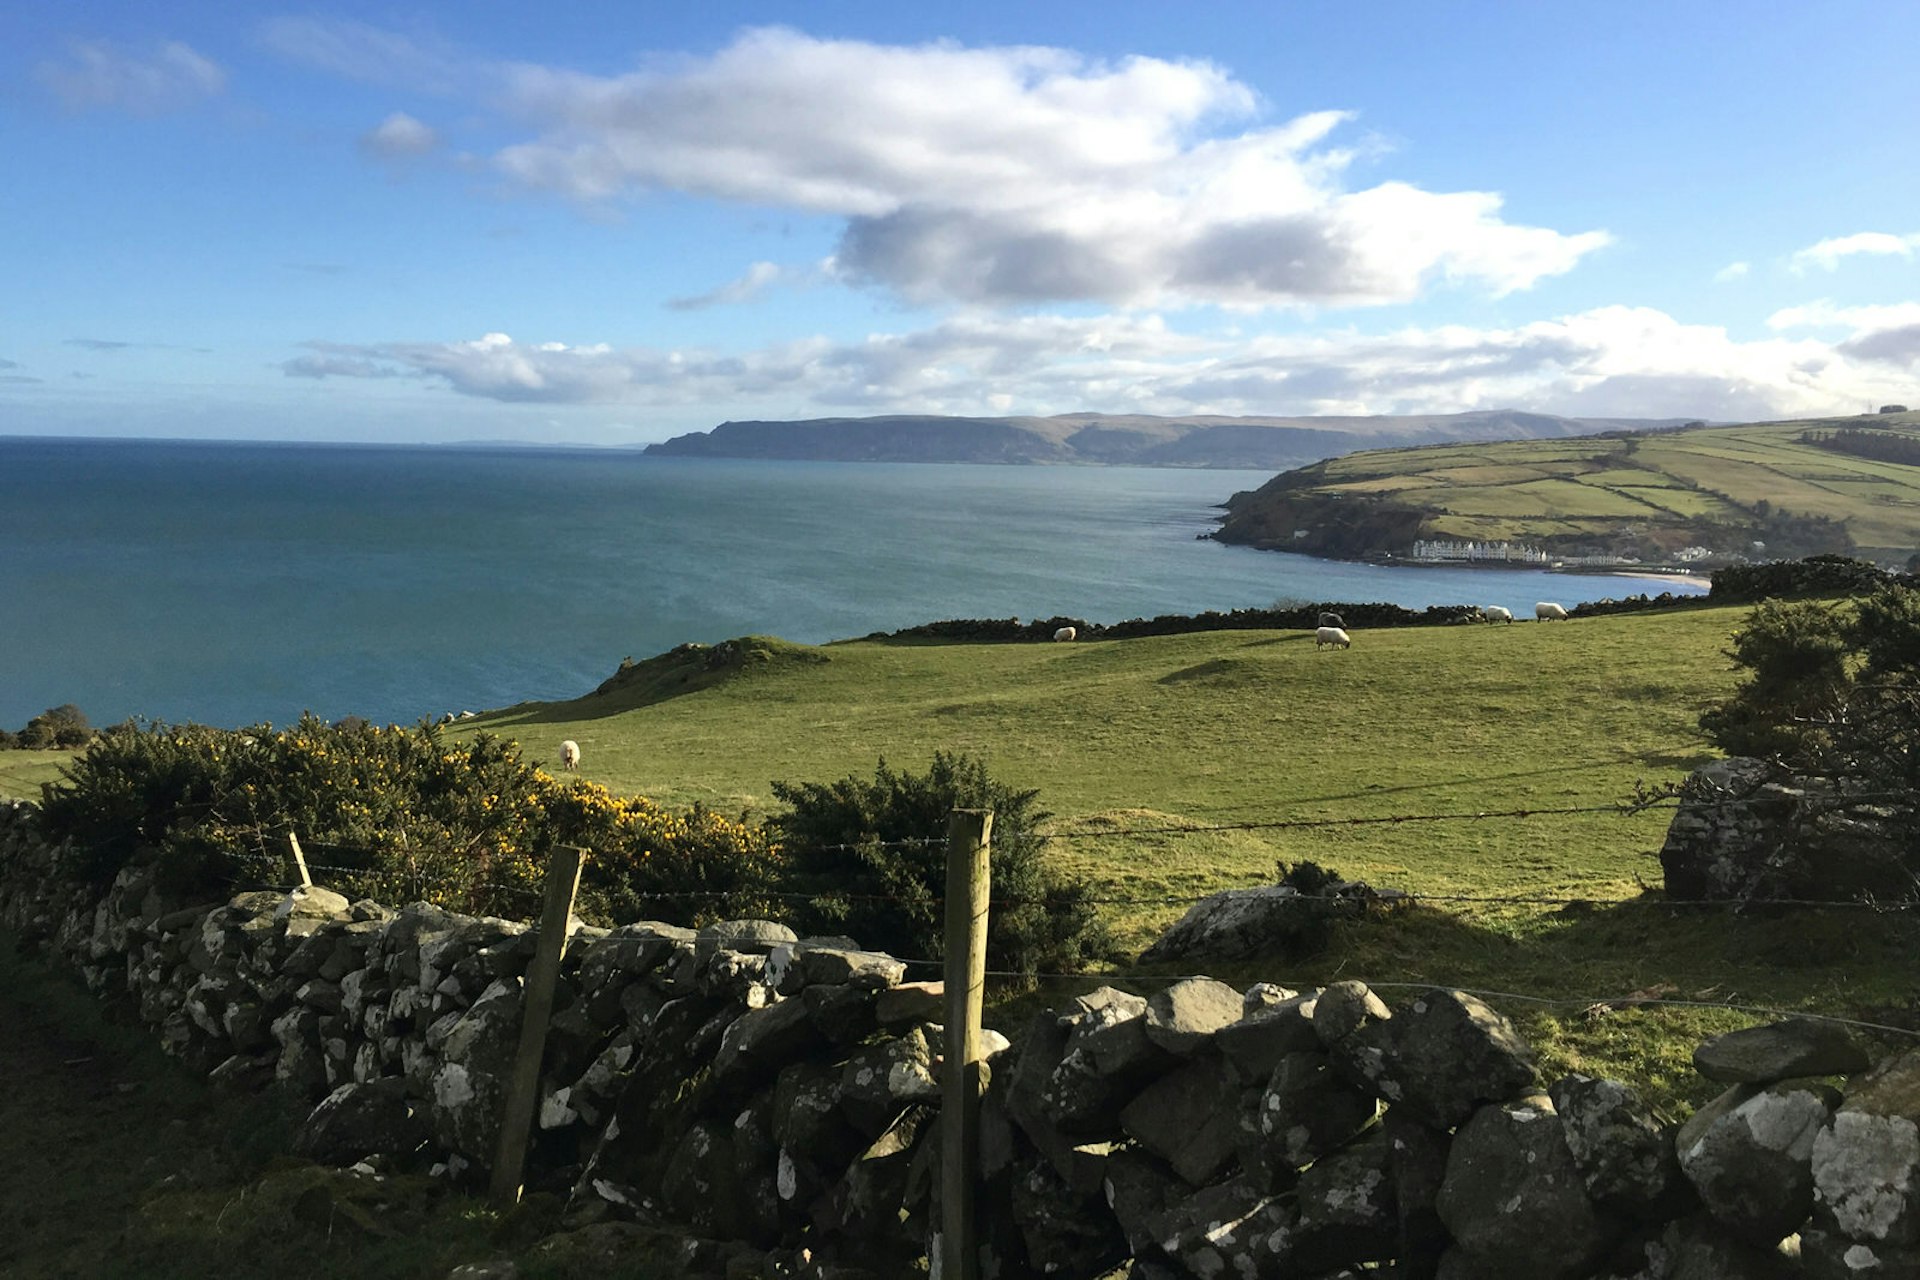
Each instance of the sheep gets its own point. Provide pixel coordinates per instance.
(1331, 636)
(570, 755)
(1495, 613)
(1547, 611)
(1332, 620)
(1065, 633)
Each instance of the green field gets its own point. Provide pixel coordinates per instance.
(1698, 485)
(1130, 740)
(1175, 766)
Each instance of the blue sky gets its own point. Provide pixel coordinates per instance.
(611, 223)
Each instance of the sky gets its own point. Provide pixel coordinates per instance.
(608, 224)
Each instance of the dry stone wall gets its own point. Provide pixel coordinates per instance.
(784, 1093)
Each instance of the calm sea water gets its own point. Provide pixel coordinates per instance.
(234, 583)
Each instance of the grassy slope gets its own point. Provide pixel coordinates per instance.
(22, 772)
(1258, 726)
(1535, 488)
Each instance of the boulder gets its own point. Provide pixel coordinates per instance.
(882, 1080)
(1625, 1154)
(1183, 1017)
(1866, 1163)
(1233, 1229)
(1346, 1212)
(360, 1120)
(757, 937)
(1308, 1109)
(1789, 1050)
(1441, 1055)
(1749, 1152)
(1065, 1231)
(469, 1084)
(1190, 1119)
(1255, 1044)
(1514, 1200)
(1829, 1255)
(761, 1041)
(1239, 924)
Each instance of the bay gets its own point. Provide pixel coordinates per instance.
(232, 583)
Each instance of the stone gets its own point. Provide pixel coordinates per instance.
(845, 1015)
(1699, 1248)
(1183, 1017)
(360, 1120)
(758, 1043)
(1308, 1109)
(1417, 1163)
(807, 1115)
(1263, 995)
(1515, 1201)
(911, 1002)
(1139, 1190)
(1788, 1050)
(1189, 1118)
(1749, 1153)
(1441, 1055)
(1064, 1231)
(1345, 1209)
(313, 905)
(1235, 924)
(1829, 1255)
(1624, 1153)
(1228, 1230)
(753, 936)
(1343, 1008)
(469, 1084)
(1255, 1044)
(1866, 1162)
(793, 966)
(882, 1080)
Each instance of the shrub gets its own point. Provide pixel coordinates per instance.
(1795, 654)
(394, 814)
(63, 726)
(870, 858)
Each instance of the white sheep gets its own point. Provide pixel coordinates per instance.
(1547, 611)
(570, 755)
(1496, 613)
(1332, 636)
(1065, 633)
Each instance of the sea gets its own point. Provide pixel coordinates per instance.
(242, 583)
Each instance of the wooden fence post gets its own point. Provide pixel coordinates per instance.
(523, 1090)
(299, 859)
(968, 845)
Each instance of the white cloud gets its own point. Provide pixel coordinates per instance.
(758, 279)
(100, 75)
(1827, 253)
(1886, 334)
(1732, 271)
(399, 137)
(374, 55)
(1020, 174)
(1609, 362)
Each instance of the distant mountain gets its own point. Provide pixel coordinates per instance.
(1137, 440)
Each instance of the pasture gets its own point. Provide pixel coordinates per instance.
(1529, 489)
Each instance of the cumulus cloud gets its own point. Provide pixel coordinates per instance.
(1019, 174)
(98, 75)
(1884, 334)
(399, 137)
(1828, 253)
(1608, 362)
(1732, 271)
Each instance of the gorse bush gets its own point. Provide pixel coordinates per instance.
(869, 858)
(394, 814)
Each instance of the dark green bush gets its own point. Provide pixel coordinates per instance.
(870, 859)
(1795, 654)
(64, 726)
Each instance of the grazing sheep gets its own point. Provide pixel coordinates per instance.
(1332, 620)
(1331, 635)
(570, 755)
(1546, 611)
(1494, 613)
(1065, 633)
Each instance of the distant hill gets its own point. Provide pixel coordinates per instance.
(1847, 485)
(1137, 440)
